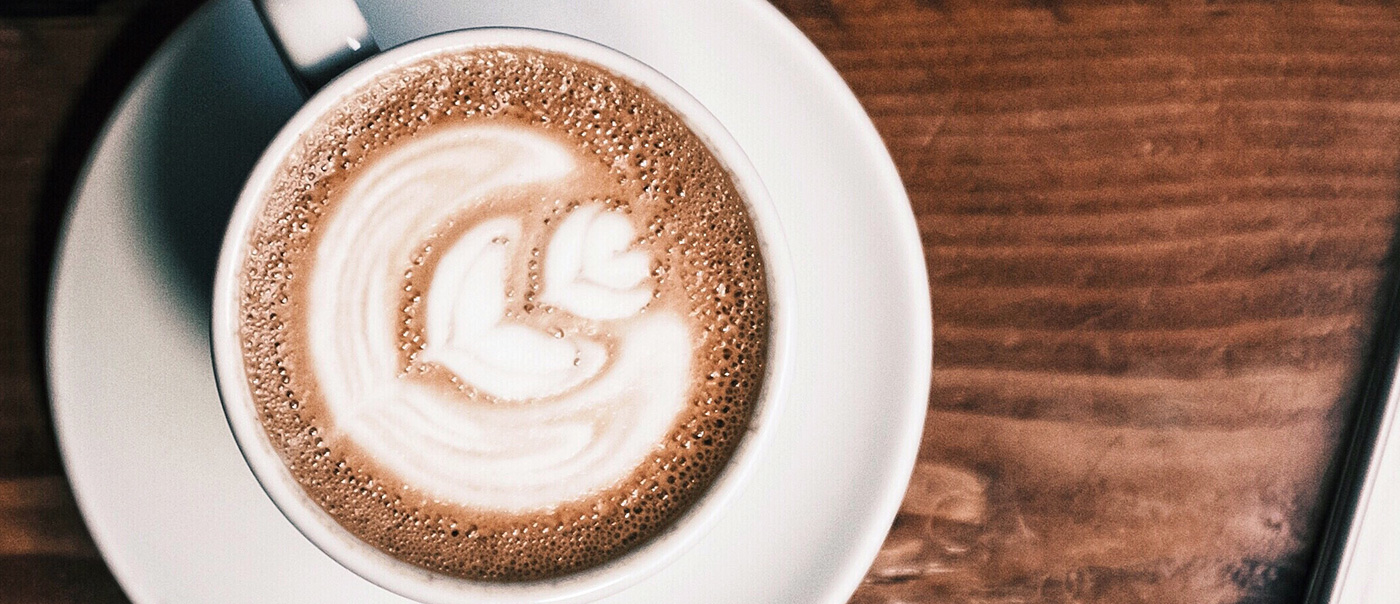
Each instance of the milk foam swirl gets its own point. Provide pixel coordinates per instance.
(591, 272)
(573, 413)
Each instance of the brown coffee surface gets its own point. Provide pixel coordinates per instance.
(644, 162)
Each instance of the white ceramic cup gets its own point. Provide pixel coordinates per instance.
(338, 39)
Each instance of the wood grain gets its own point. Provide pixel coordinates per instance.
(41, 519)
(1157, 234)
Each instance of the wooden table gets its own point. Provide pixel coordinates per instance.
(1157, 235)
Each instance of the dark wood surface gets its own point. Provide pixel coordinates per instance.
(1157, 234)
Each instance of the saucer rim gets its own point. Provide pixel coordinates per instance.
(852, 567)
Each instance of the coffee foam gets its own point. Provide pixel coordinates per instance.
(504, 315)
(576, 413)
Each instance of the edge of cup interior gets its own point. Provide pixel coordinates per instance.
(410, 580)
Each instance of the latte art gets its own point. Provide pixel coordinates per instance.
(591, 272)
(503, 315)
(576, 413)
(469, 333)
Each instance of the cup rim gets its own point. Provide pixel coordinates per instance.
(422, 584)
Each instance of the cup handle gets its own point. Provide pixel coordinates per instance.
(317, 39)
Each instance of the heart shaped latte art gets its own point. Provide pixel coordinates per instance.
(591, 270)
(569, 412)
(469, 334)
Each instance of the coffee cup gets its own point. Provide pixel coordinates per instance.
(501, 314)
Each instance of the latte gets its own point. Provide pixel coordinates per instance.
(503, 314)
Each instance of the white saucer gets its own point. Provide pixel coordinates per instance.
(155, 469)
